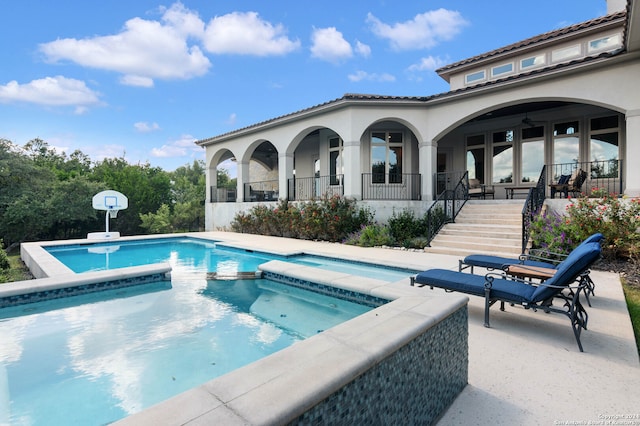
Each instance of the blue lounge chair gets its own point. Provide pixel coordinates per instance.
(570, 275)
(534, 258)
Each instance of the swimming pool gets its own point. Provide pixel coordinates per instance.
(96, 358)
(361, 357)
(203, 253)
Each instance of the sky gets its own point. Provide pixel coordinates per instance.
(143, 80)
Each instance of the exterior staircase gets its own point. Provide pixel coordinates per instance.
(483, 227)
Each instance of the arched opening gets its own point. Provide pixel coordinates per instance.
(223, 177)
(508, 147)
(262, 174)
(318, 165)
(390, 162)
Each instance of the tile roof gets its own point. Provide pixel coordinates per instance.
(537, 39)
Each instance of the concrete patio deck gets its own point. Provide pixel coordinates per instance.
(526, 369)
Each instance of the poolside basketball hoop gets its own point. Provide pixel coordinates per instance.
(111, 202)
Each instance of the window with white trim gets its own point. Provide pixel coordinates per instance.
(604, 43)
(336, 168)
(475, 157)
(531, 153)
(475, 77)
(386, 157)
(566, 145)
(566, 53)
(604, 146)
(502, 156)
(502, 69)
(533, 61)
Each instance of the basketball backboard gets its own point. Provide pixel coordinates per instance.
(110, 200)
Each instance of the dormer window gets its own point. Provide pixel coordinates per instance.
(560, 55)
(501, 70)
(533, 61)
(604, 43)
(475, 77)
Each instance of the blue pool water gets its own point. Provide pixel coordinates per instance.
(96, 358)
(203, 253)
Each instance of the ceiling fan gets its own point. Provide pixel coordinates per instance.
(529, 122)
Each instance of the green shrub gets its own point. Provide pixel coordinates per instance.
(4, 259)
(418, 243)
(370, 236)
(404, 227)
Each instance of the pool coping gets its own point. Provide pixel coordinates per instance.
(277, 389)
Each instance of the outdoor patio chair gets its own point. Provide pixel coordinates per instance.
(570, 275)
(572, 183)
(536, 258)
(480, 190)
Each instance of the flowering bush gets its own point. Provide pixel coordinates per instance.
(618, 219)
(329, 219)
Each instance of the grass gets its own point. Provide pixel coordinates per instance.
(632, 295)
(17, 272)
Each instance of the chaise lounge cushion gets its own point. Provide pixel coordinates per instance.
(497, 262)
(568, 270)
(502, 289)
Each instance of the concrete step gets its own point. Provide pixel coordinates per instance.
(466, 252)
(462, 242)
(511, 208)
(482, 227)
(489, 220)
(483, 230)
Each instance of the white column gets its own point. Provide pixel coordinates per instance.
(352, 169)
(285, 172)
(428, 157)
(632, 154)
(243, 176)
(211, 179)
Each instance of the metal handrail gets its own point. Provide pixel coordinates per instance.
(446, 207)
(310, 188)
(391, 186)
(223, 194)
(266, 190)
(532, 206)
(606, 175)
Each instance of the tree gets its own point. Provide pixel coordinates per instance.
(24, 188)
(70, 209)
(186, 212)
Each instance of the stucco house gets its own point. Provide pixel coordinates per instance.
(568, 99)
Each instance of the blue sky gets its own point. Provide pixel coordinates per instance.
(144, 79)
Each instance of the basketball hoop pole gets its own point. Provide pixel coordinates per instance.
(106, 221)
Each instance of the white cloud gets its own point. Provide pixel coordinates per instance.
(232, 119)
(247, 34)
(183, 20)
(422, 32)
(363, 49)
(144, 127)
(430, 63)
(142, 51)
(178, 148)
(329, 45)
(365, 76)
(55, 91)
(136, 80)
